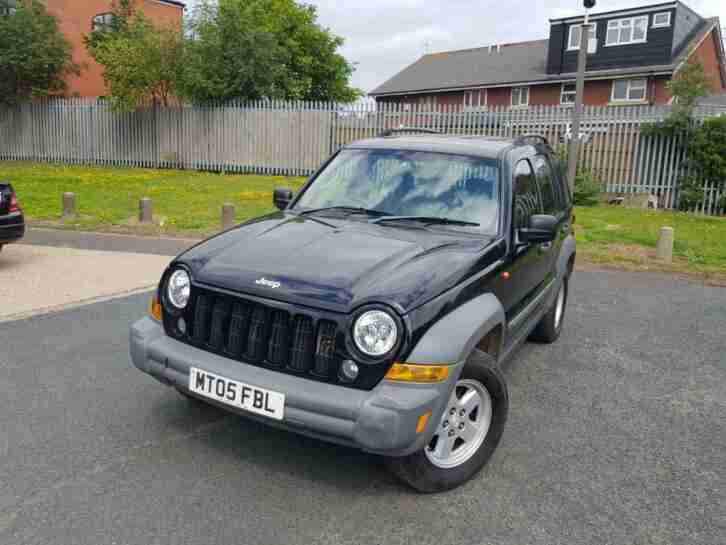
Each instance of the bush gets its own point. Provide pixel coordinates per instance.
(587, 188)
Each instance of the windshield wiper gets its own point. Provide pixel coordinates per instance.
(426, 219)
(349, 209)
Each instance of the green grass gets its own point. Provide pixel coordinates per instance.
(108, 198)
(190, 203)
(612, 233)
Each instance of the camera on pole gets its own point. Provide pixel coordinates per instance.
(589, 4)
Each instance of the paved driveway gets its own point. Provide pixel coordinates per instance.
(616, 435)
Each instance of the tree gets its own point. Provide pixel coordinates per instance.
(35, 57)
(141, 62)
(253, 49)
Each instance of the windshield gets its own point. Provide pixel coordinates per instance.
(410, 183)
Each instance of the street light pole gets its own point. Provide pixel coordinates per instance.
(574, 148)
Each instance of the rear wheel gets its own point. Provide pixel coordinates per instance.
(467, 433)
(550, 326)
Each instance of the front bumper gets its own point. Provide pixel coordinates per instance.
(382, 420)
(12, 227)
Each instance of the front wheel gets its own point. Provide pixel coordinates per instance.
(467, 433)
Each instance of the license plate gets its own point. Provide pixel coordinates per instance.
(237, 394)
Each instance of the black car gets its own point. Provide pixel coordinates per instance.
(12, 223)
(376, 308)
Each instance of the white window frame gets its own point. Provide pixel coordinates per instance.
(661, 25)
(591, 42)
(519, 103)
(102, 22)
(563, 93)
(629, 88)
(618, 23)
(474, 99)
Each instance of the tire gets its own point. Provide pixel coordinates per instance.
(421, 471)
(550, 326)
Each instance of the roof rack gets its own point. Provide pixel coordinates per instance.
(406, 130)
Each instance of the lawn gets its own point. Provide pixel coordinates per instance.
(190, 203)
(626, 236)
(186, 202)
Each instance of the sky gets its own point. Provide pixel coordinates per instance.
(384, 36)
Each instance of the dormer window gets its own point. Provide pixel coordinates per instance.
(662, 20)
(573, 42)
(633, 30)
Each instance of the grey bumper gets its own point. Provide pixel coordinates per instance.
(382, 420)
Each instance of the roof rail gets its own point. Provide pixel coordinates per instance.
(532, 139)
(406, 130)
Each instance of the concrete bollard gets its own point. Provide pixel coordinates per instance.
(664, 248)
(227, 215)
(69, 205)
(145, 211)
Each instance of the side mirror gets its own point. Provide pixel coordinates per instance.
(282, 197)
(542, 228)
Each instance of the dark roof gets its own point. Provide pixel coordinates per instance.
(470, 67)
(476, 146)
(513, 64)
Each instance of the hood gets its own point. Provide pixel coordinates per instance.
(334, 264)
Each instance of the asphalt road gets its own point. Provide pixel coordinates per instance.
(616, 435)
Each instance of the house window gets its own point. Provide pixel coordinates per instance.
(520, 96)
(662, 20)
(568, 93)
(629, 90)
(8, 7)
(102, 22)
(633, 30)
(474, 99)
(573, 42)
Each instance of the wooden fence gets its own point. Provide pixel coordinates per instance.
(295, 138)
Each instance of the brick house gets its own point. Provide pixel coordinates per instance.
(77, 18)
(632, 53)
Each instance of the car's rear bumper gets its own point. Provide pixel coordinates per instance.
(12, 227)
(382, 420)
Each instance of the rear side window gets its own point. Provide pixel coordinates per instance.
(551, 199)
(526, 197)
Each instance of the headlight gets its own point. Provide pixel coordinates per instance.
(375, 333)
(178, 288)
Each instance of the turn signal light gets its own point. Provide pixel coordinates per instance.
(155, 308)
(408, 372)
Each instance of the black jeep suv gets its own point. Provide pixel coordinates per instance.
(376, 307)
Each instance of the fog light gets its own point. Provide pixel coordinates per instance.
(349, 370)
(182, 326)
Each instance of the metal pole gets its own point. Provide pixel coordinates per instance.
(577, 109)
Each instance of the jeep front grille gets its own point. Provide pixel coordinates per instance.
(260, 334)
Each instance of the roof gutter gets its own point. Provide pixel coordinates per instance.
(566, 79)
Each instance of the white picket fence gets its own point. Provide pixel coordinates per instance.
(294, 138)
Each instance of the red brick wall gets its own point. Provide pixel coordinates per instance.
(707, 54)
(597, 93)
(75, 19)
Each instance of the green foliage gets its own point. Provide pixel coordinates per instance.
(587, 188)
(690, 84)
(35, 58)
(141, 62)
(706, 161)
(587, 185)
(253, 49)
